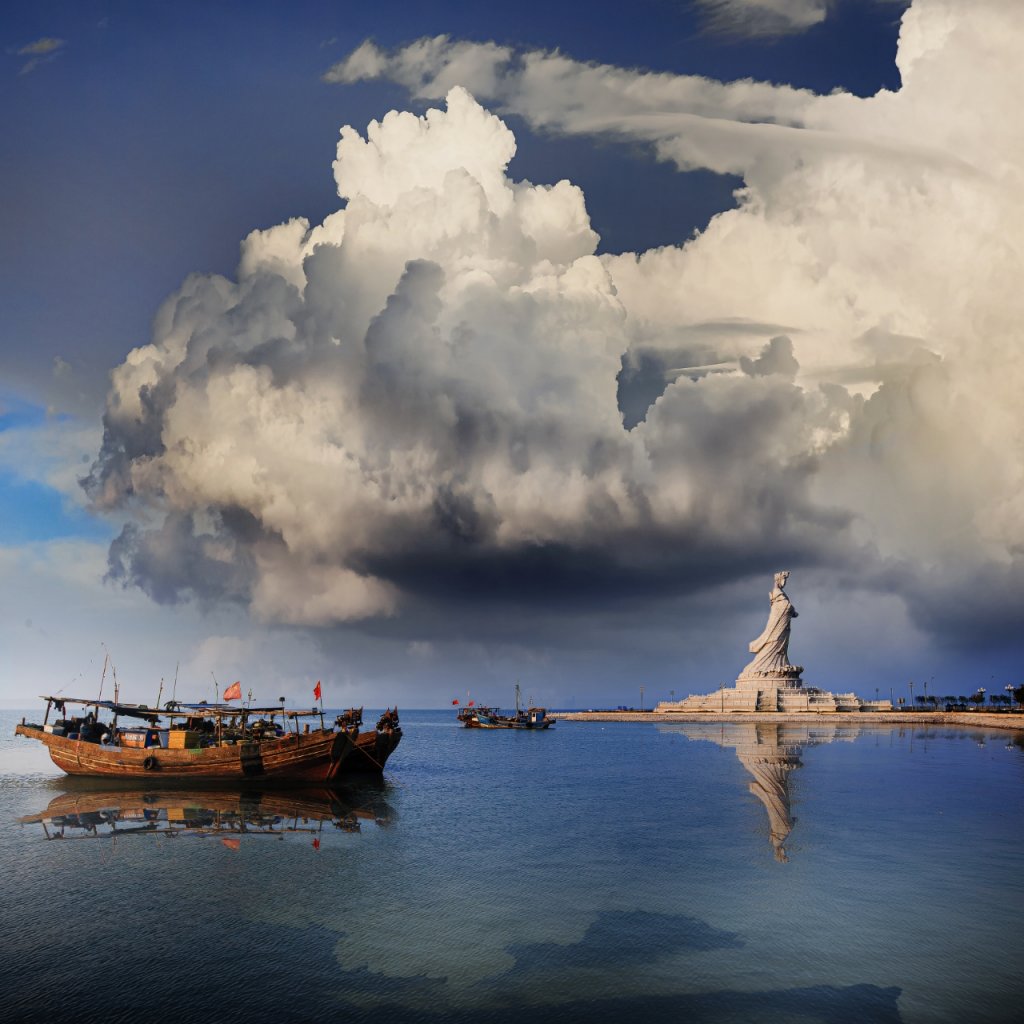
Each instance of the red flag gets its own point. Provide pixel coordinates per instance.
(472, 702)
(456, 701)
(234, 691)
(316, 844)
(317, 692)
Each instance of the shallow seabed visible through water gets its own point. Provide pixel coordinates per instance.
(617, 872)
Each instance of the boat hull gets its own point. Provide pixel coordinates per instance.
(507, 725)
(485, 721)
(320, 756)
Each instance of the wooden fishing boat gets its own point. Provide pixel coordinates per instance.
(480, 716)
(212, 742)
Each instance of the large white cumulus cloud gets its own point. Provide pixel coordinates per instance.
(423, 395)
(437, 360)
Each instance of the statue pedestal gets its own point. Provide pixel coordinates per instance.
(787, 678)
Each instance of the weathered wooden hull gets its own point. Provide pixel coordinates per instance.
(320, 756)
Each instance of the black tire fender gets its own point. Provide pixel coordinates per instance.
(150, 763)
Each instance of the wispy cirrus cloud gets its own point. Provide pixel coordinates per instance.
(40, 51)
(747, 128)
(762, 18)
(770, 20)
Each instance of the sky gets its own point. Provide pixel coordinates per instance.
(422, 349)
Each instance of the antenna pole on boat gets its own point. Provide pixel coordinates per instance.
(103, 674)
(174, 691)
(160, 693)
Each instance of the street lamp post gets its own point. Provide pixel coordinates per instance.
(911, 694)
(981, 695)
(1009, 694)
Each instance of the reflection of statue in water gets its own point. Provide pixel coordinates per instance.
(770, 753)
(770, 764)
(772, 646)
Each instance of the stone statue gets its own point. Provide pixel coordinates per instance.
(772, 646)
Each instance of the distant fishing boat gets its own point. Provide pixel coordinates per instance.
(212, 742)
(480, 716)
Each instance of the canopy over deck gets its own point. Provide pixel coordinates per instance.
(177, 709)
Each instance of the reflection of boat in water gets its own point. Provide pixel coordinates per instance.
(482, 717)
(94, 813)
(769, 752)
(216, 742)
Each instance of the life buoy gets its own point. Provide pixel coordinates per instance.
(149, 764)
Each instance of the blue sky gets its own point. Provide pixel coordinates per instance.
(148, 140)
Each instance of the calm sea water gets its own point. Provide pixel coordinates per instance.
(624, 872)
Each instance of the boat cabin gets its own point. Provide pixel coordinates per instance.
(142, 737)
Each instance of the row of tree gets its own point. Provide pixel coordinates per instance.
(960, 703)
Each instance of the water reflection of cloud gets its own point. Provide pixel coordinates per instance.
(817, 1004)
(623, 940)
(362, 987)
(543, 985)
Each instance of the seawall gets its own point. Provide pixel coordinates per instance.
(974, 720)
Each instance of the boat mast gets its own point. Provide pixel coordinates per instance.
(117, 692)
(103, 674)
